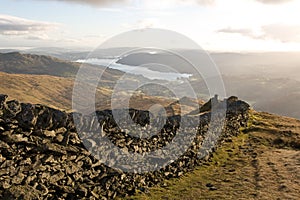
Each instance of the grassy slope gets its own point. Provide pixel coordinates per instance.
(56, 92)
(261, 163)
(42, 89)
(35, 64)
(52, 91)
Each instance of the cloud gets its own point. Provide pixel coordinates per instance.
(200, 2)
(15, 26)
(280, 32)
(38, 37)
(167, 4)
(152, 2)
(244, 32)
(143, 23)
(93, 2)
(274, 1)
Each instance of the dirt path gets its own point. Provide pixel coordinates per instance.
(278, 174)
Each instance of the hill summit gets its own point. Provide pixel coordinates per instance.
(15, 62)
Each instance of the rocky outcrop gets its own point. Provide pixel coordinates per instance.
(43, 156)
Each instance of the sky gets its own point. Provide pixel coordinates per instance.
(216, 25)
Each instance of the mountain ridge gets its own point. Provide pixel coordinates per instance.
(15, 62)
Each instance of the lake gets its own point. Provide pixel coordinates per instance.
(137, 70)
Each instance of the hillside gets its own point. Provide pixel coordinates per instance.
(19, 63)
(40, 89)
(57, 92)
(261, 163)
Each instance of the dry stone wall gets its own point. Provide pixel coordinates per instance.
(42, 156)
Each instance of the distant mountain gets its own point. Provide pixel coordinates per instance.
(8, 50)
(61, 53)
(17, 63)
(167, 61)
(268, 64)
(77, 54)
